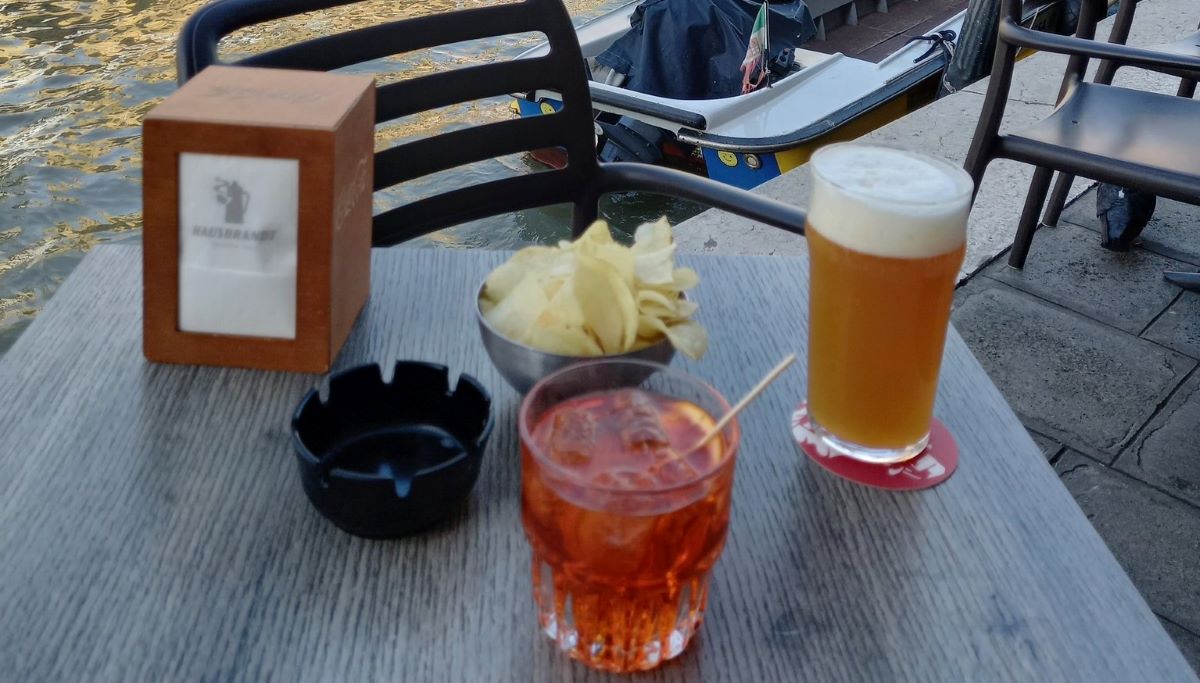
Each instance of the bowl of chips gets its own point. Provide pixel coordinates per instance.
(547, 308)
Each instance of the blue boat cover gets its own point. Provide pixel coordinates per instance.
(693, 49)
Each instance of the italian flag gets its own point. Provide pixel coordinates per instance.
(754, 66)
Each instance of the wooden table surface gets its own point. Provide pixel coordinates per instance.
(153, 527)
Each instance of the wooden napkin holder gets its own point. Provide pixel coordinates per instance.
(310, 137)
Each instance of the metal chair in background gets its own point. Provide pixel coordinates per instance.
(581, 183)
(1125, 137)
(1188, 45)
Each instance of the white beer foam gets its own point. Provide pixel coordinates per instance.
(889, 202)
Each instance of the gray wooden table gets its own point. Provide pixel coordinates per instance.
(152, 525)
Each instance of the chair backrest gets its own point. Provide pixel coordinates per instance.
(562, 70)
(1090, 14)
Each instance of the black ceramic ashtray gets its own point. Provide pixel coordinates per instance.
(384, 460)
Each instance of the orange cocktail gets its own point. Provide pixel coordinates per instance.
(625, 514)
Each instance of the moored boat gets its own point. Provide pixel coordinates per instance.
(864, 64)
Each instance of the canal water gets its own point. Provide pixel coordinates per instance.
(77, 76)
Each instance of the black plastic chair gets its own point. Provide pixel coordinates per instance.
(1125, 137)
(562, 71)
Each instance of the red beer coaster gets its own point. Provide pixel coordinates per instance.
(927, 469)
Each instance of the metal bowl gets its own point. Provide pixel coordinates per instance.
(523, 366)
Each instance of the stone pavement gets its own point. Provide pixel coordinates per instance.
(1098, 356)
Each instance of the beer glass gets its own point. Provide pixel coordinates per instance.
(886, 235)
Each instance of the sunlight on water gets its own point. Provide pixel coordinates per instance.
(77, 76)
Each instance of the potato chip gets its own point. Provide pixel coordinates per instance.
(560, 328)
(563, 306)
(684, 279)
(502, 280)
(668, 307)
(653, 254)
(595, 296)
(596, 234)
(648, 329)
(654, 268)
(597, 241)
(609, 311)
(649, 298)
(688, 336)
(620, 258)
(515, 314)
(652, 236)
(566, 341)
(685, 308)
(552, 286)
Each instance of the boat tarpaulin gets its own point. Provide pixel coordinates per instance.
(693, 49)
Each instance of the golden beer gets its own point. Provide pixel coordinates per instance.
(886, 236)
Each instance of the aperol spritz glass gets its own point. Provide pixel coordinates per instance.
(625, 507)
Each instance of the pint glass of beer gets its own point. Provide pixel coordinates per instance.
(886, 235)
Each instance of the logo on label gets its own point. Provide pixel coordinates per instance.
(234, 197)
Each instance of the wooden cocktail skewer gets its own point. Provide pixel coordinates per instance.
(750, 396)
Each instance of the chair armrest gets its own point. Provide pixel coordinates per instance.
(1014, 34)
(624, 176)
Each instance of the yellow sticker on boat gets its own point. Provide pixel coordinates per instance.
(547, 108)
(727, 158)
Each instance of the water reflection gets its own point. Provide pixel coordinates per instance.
(77, 76)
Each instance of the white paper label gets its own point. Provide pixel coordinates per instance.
(238, 225)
